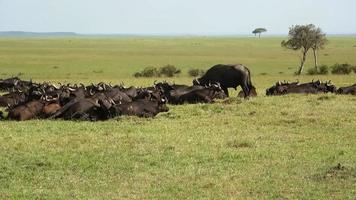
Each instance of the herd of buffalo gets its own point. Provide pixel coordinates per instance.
(27, 100)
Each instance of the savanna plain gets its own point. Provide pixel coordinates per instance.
(280, 147)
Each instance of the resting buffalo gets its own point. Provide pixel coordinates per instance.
(179, 94)
(304, 88)
(27, 111)
(94, 108)
(201, 95)
(12, 84)
(347, 90)
(228, 76)
(142, 108)
(12, 99)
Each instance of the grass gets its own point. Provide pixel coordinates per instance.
(283, 147)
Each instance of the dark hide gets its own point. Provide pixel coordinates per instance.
(27, 111)
(117, 96)
(253, 93)
(201, 95)
(305, 88)
(228, 76)
(142, 108)
(347, 90)
(12, 99)
(94, 108)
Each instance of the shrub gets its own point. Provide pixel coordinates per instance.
(137, 74)
(147, 72)
(354, 69)
(196, 72)
(169, 70)
(321, 70)
(312, 71)
(341, 68)
(324, 69)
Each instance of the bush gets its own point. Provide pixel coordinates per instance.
(324, 69)
(169, 71)
(321, 70)
(354, 69)
(137, 74)
(341, 68)
(147, 72)
(196, 72)
(312, 71)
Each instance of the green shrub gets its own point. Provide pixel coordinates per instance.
(354, 69)
(137, 74)
(196, 72)
(148, 72)
(324, 69)
(169, 70)
(341, 68)
(312, 71)
(321, 70)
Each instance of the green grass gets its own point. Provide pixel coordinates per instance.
(283, 147)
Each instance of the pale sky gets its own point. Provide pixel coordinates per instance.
(175, 16)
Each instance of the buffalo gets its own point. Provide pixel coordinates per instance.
(27, 111)
(313, 87)
(179, 94)
(12, 99)
(228, 76)
(347, 90)
(253, 93)
(153, 103)
(93, 108)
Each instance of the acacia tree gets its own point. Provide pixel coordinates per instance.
(259, 31)
(301, 37)
(318, 43)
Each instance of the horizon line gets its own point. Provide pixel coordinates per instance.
(73, 33)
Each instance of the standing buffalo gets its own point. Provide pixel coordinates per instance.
(228, 76)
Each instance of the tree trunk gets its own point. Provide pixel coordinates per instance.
(315, 59)
(259, 35)
(302, 62)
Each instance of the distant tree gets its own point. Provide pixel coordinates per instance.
(302, 37)
(259, 31)
(319, 41)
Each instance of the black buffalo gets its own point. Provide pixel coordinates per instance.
(228, 76)
(347, 90)
(12, 99)
(94, 108)
(142, 107)
(313, 87)
(179, 94)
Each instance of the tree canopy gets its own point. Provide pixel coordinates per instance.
(259, 31)
(305, 37)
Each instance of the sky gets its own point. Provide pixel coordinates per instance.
(202, 17)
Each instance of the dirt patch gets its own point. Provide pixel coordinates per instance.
(252, 113)
(237, 145)
(337, 172)
(325, 98)
(231, 101)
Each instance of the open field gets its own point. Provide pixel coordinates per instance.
(284, 147)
